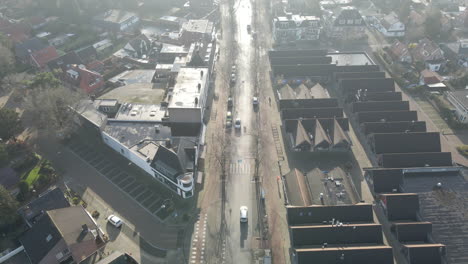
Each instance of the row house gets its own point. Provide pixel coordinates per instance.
(296, 27)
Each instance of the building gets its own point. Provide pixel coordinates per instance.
(186, 104)
(36, 209)
(430, 53)
(296, 27)
(391, 26)
(35, 52)
(459, 102)
(400, 52)
(346, 24)
(66, 235)
(200, 30)
(143, 134)
(118, 258)
(428, 77)
(117, 20)
(88, 81)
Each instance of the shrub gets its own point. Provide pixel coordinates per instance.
(23, 191)
(185, 217)
(76, 200)
(95, 214)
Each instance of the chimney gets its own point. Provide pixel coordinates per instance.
(199, 87)
(201, 74)
(84, 228)
(196, 101)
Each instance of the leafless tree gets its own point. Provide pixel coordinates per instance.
(7, 60)
(49, 109)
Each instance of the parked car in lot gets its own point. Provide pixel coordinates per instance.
(115, 221)
(244, 211)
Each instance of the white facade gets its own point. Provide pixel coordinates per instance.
(296, 27)
(391, 26)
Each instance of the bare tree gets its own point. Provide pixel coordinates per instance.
(7, 61)
(49, 109)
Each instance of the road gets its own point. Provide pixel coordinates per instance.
(235, 158)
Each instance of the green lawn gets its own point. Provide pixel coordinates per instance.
(33, 175)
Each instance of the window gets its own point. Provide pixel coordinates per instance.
(350, 21)
(122, 151)
(342, 21)
(186, 185)
(49, 238)
(358, 21)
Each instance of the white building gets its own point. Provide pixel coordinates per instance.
(296, 27)
(188, 97)
(391, 26)
(137, 132)
(459, 101)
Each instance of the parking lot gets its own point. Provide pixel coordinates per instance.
(152, 202)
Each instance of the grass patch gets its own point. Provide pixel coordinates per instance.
(33, 175)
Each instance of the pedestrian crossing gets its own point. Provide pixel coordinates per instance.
(240, 167)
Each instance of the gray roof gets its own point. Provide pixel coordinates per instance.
(301, 136)
(303, 92)
(321, 138)
(317, 214)
(286, 92)
(23, 49)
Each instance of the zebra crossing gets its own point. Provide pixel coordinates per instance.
(241, 167)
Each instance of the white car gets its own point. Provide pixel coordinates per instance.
(115, 220)
(237, 123)
(255, 101)
(244, 211)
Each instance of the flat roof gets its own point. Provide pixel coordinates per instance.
(139, 93)
(199, 26)
(140, 112)
(351, 59)
(132, 133)
(186, 88)
(169, 48)
(442, 207)
(115, 16)
(134, 76)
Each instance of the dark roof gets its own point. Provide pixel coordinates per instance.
(387, 116)
(304, 70)
(318, 214)
(87, 54)
(168, 159)
(35, 239)
(386, 180)
(357, 68)
(346, 255)
(50, 200)
(406, 142)
(393, 127)
(296, 53)
(425, 253)
(381, 96)
(302, 236)
(295, 113)
(141, 45)
(308, 103)
(380, 106)
(185, 149)
(407, 160)
(300, 60)
(412, 231)
(8, 178)
(185, 129)
(375, 85)
(348, 13)
(23, 49)
(64, 60)
(401, 206)
(359, 75)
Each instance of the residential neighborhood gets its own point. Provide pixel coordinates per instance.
(209, 131)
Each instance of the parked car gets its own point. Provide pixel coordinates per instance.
(233, 78)
(255, 101)
(237, 124)
(229, 103)
(115, 221)
(244, 211)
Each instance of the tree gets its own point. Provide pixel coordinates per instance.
(10, 124)
(432, 25)
(49, 108)
(15, 80)
(8, 207)
(4, 159)
(7, 61)
(43, 80)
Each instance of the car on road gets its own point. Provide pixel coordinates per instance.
(115, 221)
(249, 28)
(237, 124)
(233, 78)
(228, 124)
(255, 101)
(244, 211)
(229, 103)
